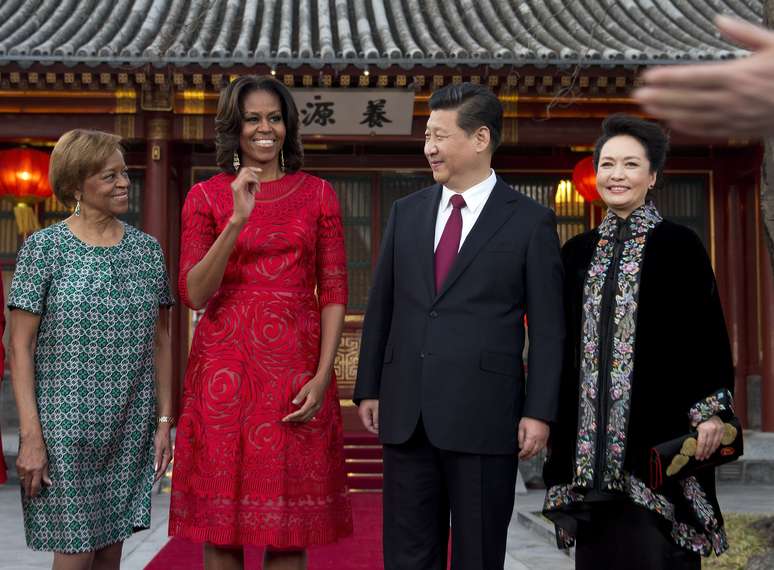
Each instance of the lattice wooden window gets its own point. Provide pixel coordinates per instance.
(355, 198)
(394, 186)
(9, 237)
(366, 200)
(683, 199)
(571, 217)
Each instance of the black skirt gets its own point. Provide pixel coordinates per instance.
(619, 535)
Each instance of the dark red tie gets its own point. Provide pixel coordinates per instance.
(450, 242)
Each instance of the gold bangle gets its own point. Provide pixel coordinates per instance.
(166, 420)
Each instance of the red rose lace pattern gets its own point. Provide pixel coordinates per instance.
(241, 475)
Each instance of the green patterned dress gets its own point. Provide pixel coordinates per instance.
(95, 383)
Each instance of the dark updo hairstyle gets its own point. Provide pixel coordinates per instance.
(650, 135)
(228, 121)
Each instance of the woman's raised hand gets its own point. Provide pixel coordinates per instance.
(244, 188)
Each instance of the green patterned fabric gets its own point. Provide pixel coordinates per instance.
(94, 376)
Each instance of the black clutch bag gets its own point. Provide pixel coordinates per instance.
(675, 459)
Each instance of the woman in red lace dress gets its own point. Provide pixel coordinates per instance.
(259, 455)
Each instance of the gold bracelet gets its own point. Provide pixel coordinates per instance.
(166, 420)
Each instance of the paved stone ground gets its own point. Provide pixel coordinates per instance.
(138, 550)
(526, 550)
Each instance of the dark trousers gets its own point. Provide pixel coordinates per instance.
(423, 485)
(623, 536)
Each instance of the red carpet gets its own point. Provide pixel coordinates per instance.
(362, 551)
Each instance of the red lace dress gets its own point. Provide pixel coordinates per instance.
(241, 476)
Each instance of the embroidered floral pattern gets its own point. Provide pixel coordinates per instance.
(640, 222)
(585, 454)
(622, 363)
(705, 514)
(717, 404)
(711, 538)
(560, 496)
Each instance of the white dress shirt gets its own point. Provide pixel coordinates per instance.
(475, 198)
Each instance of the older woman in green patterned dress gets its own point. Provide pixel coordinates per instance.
(90, 363)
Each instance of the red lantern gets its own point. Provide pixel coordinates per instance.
(585, 180)
(24, 181)
(24, 175)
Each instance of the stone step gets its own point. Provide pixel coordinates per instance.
(756, 466)
(538, 524)
(10, 450)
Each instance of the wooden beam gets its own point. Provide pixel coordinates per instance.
(37, 101)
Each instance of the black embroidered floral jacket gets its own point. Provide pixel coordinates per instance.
(668, 368)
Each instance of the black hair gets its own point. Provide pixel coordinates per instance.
(228, 121)
(650, 135)
(477, 106)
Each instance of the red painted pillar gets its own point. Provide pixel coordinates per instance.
(767, 346)
(180, 313)
(718, 237)
(155, 209)
(751, 264)
(154, 200)
(733, 255)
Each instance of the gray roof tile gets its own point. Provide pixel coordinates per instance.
(381, 32)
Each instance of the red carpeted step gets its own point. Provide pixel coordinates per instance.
(362, 452)
(363, 456)
(362, 551)
(364, 466)
(364, 482)
(360, 438)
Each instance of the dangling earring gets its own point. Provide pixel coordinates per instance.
(77, 211)
(236, 162)
(282, 160)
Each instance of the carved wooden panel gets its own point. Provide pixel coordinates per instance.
(346, 361)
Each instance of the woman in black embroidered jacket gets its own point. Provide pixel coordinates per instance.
(647, 359)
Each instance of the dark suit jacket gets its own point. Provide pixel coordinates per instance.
(456, 357)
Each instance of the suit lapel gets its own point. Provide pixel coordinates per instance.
(497, 210)
(426, 237)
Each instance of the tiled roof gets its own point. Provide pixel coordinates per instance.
(380, 32)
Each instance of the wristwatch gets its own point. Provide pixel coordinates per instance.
(166, 420)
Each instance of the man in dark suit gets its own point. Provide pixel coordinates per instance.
(441, 377)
